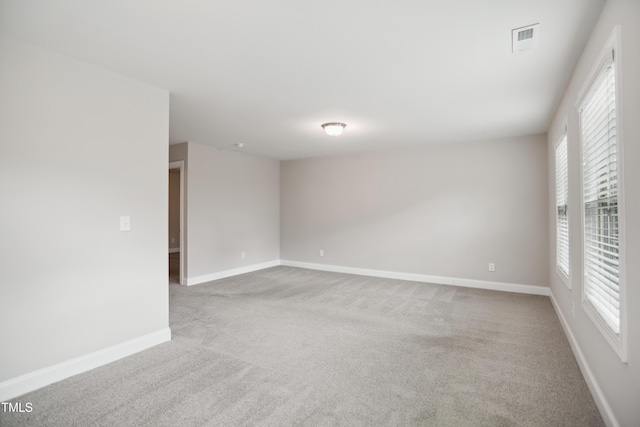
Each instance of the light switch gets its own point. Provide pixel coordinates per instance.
(125, 223)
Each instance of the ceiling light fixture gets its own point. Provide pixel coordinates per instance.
(333, 128)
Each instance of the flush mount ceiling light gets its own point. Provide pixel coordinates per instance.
(333, 128)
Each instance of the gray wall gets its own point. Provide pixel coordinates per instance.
(444, 210)
(79, 148)
(233, 201)
(620, 382)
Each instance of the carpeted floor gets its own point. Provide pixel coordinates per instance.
(287, 346)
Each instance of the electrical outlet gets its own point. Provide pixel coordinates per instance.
(243, 255)
(492, 267)
(321, 252)
(573, 309)
(125, 223)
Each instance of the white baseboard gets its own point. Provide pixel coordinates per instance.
(34, 380)
(228, 273)
(368, 272)
(441, 280)
(174, 250)
(501, 286)
(598, 396)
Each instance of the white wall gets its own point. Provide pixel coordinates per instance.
(445, 210)
(619, 383)
(79, 146)
(233, 207)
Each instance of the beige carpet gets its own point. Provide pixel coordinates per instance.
(294, 347)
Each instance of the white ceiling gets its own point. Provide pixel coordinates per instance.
(268, 73)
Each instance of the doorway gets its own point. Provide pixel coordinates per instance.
(176, 250)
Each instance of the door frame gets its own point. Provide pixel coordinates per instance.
(180, 165)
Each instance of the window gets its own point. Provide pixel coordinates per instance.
(601, 197)
(562, 203)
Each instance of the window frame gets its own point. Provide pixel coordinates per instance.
(610, 54)
(565, 276)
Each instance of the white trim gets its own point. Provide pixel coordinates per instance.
(604, 57)
(622, 199)
(367, 272)
(610, 53)
(563, 276)
(561, 131)
(598, 396)
(34, 380)
(180, 165)
(174, 250)
(504, 287)
(562, 136)
(441, 280)
(229, 273)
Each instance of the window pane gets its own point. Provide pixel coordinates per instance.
(562, 203)
(600, 198)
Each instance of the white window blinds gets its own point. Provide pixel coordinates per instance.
(600, 198)
(562, 202)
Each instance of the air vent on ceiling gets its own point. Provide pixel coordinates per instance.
(525, 38)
